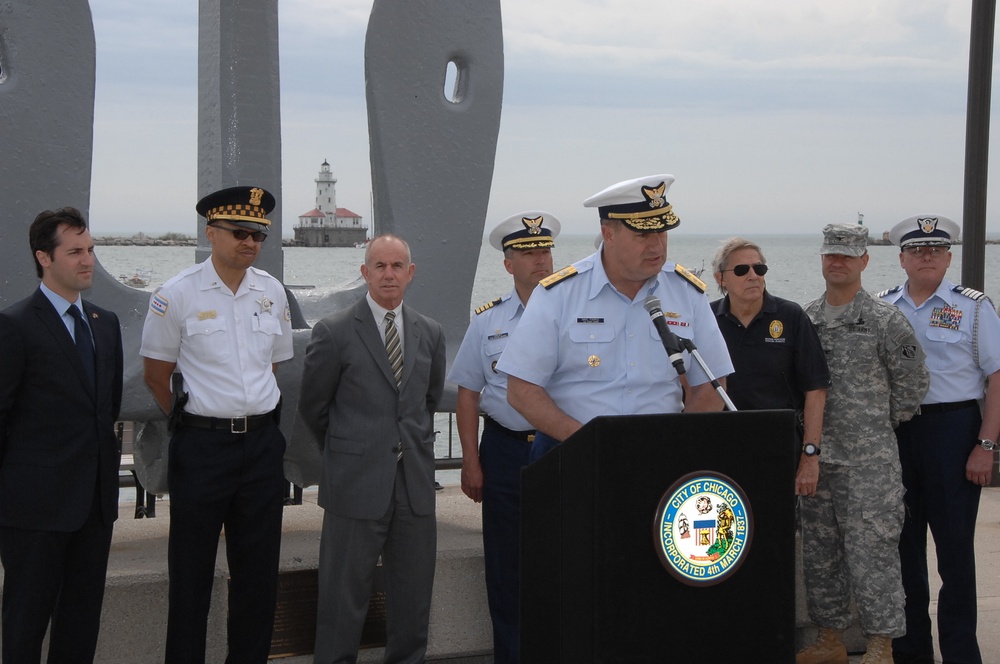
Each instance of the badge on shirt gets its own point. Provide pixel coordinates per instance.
(207, 315)
(946, 317)
(265, 304)
(594, 361)
(775, 329)
(158, 305)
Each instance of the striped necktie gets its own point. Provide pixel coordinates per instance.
(392, 347)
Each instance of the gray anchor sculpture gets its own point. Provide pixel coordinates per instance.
(432, 158)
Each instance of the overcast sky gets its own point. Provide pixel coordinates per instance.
(774, 116)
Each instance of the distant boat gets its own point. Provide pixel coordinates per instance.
(140, 279)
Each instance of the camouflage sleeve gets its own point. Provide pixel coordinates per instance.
(904, 362)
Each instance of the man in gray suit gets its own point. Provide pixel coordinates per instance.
(372, 379)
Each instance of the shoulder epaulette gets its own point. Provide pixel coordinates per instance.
(970, 293)
(556, 277)
(690, 277)
(488, 305)
(882, 294)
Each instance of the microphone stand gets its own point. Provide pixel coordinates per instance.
(690, 348)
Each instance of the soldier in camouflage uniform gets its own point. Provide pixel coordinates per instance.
(851, 527)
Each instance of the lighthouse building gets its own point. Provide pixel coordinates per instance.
(327, 225)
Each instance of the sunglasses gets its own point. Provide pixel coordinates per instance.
(241, 233)
(742, 269)
(933, 251)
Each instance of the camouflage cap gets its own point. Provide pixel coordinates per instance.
(844, 240)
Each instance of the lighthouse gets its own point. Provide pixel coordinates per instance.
(327, 225)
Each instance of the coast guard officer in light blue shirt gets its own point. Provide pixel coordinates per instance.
(946, 451)
(491, 473)
(586, 346)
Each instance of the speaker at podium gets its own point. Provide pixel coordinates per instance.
(662, 538)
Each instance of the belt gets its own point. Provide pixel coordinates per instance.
(241, 424)
(526, 436)
(945, 407)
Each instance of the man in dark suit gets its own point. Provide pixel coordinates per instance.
(372, 379)
(60, 393)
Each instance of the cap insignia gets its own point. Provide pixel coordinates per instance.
(928, 224)
(654, 195)
(255, 195)
(534, 226)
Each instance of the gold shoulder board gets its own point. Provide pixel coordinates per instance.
(556, 277)
(489, 305)
(690, 277)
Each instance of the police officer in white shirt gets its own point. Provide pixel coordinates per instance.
(491, 471)
(946, 451)
(223, 325)
(585, 345)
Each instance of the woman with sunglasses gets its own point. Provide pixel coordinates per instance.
(776, 353)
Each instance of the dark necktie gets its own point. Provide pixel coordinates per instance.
(392, 347)
(84, 344)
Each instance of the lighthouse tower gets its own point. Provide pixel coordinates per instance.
(326, 191)
(326, 225)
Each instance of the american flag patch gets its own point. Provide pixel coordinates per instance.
(158, 304)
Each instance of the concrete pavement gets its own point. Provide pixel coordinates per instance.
(134, 628)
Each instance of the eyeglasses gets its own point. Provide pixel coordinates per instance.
(742, 269)
(241, 234)
(934, 252)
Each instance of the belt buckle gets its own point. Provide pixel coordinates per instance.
(233, 422)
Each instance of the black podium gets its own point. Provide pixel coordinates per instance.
(622, 528)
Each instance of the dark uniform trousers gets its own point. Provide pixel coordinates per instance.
(217, 479)
(503, 453)
(933, 449)
(45, 572)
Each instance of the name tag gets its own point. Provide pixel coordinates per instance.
(589, 320)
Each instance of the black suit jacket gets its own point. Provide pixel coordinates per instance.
(57, 438)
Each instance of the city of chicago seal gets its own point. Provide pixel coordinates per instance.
(703, 528)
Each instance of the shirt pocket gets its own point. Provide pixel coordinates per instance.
(943, 335)
(266, 330)
(592, 350)
(208, 339)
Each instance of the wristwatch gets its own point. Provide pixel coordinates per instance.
(811, 449)
(987, 444)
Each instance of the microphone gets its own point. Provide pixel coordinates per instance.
(671, 343)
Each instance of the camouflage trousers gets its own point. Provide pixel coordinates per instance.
(850, 533)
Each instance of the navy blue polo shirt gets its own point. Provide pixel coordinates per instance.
(777, 358)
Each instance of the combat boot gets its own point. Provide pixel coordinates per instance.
(828, 648)
(879, 650)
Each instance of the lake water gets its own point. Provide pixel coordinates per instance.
(793, 259)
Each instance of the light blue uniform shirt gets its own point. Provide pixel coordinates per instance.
(474, 367)
(943, 325)
(62, 305)
(597, 353)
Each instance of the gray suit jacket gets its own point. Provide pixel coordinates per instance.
(350, 402)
